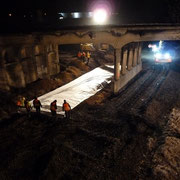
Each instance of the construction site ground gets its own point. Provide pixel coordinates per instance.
(132, 135)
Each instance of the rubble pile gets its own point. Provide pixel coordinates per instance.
(167, 156)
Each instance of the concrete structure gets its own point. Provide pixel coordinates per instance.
(24, 58)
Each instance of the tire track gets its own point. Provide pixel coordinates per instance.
(135, 94)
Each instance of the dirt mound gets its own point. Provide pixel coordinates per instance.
(74, 70)
(80, 65)
(65, 77)
(7, 104)
(40, 87)
(100, 96)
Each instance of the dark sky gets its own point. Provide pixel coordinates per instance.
(142, 5)
(143, 9)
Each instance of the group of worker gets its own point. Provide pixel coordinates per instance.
(84, 56)
(23, 102)
(65, 107)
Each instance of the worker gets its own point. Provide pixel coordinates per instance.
(67, 109)
(28, 107)
(53, 108)
(22, 101)
(18, 104)
(88, 57)
(79, 55)
(37, 105)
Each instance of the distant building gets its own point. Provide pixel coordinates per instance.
(75, 15)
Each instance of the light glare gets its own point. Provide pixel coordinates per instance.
(158, 55)
(167, 55)
(76, 15)
(100, 16)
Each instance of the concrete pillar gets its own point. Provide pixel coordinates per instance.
(3, 76)
(124, 62)
(117, 60)
(15, 75)
(56, 49)
(135, 56)
(139, 54)
(130, 59)
(2, 61)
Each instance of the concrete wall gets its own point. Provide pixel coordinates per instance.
(23, 64)
(127, 61)
(124, 79)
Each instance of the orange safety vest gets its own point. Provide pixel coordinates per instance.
(79, 54)
(18, 103)
(66, 107)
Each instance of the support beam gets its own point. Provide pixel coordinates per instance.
(124, 62)
(117, 60)
(135, 56)
(139, 53)
(56, 50)
(130, 59)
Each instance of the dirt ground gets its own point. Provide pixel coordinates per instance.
(131, 135)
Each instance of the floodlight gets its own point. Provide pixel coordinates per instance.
(100, 16)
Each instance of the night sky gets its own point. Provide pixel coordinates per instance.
(144, 10)
(135, 6)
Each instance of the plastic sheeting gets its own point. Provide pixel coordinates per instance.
(78, 90)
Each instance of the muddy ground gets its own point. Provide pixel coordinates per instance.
(123, 136)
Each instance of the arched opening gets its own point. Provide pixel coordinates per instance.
(160, 54)
(100, 54)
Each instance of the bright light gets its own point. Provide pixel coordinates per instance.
(160, 44)
(158, 55)
(90, 14)
(76, 15)
(100, 16)
(155, 48)
(167, 56)
(150, 46)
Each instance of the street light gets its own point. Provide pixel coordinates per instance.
(100, 16)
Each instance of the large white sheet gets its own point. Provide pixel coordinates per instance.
(77, 90)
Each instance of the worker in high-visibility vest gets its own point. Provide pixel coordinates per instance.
(37, 105)
(22, 101)
(53, 108)
(67, 109)
(19, 105)
(28, 107)
(88, 57)
(79, 55)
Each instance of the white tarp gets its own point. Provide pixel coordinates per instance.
(77, 90)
